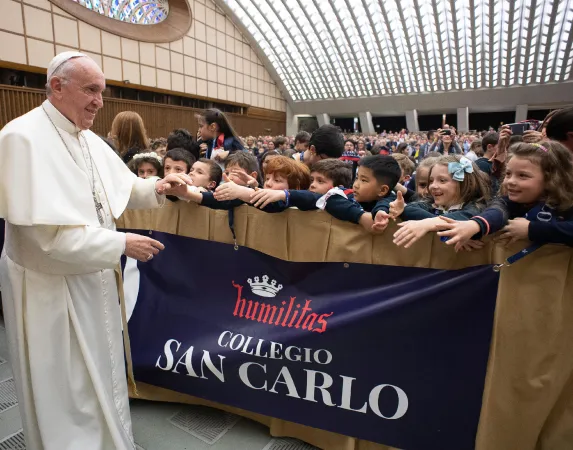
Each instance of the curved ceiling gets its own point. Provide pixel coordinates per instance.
(336, 49)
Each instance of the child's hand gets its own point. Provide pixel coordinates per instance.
(173, 184)
(228, 190)
(240, 177)
(262, 197)
(397, 206)
(412, 231)
(515, 230)
(458, 232)
(380, 222)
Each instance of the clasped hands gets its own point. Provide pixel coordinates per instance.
(173, 184)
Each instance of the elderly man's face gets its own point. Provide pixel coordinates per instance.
(80, 96)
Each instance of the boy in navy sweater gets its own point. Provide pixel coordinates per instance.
(324, 176)
(372, 194)
(368, 202)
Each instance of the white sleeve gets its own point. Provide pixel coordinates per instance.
(88, 247)
(143, 195)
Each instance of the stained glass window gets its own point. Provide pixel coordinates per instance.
(141, 12)
(325, 49)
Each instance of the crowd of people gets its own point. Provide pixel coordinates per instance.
(60, 266)
(462, 186)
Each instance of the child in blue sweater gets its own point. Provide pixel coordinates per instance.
(325, 175)
(539, 203)
(372, 193)
(367, 203)
(458, 190)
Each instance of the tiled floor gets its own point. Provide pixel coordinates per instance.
(156, 426)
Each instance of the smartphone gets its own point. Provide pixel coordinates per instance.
(446, 132)
(518, 128)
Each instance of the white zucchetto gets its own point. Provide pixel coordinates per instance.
(60, 59)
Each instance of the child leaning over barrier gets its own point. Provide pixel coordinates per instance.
(370, 196)
(282, 173)
(206, 174)
(242, 168)
(539, 203)
(458, 189)
(177, 160)
(324, 176)
(368, 201)
(372, 193)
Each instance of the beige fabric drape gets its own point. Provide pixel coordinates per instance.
(528, 397)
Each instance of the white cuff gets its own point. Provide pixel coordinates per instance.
(190, 189)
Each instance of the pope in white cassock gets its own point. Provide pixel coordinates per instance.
(60, 189)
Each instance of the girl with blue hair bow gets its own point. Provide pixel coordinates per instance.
(458, 190)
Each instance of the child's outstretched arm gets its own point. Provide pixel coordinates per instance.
(232, 191)
(414, 230)
(422, 210)
(278, 200)
(192, 194)
(459, 233)
(208, 199)
(489, 221)
(343, 209)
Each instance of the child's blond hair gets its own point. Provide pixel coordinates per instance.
(405, 163)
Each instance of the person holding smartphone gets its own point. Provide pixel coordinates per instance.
(446, 143)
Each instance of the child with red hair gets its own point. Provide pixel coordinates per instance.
(281, 173)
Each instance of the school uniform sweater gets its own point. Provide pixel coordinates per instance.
(426, 210)
(558, 230)
(341, 208)
(348, 209)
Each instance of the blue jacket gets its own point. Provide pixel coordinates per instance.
(425, 210)
(350, 210)
(557, 230)
(230, 144)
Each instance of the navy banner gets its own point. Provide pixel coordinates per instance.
(389, 354)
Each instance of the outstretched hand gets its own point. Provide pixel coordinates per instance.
(381, 222)
(173, 184)
(230, 190)
(262, 197)
(241, 177)
(397, 206)
(459, 233)
(515, 230)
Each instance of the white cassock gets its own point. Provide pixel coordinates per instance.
(59, 289)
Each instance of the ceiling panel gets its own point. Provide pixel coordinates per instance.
(327, 49)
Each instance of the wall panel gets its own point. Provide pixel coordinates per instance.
(32, 31)
(159, 119)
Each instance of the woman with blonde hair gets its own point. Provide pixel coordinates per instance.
(128, 134)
